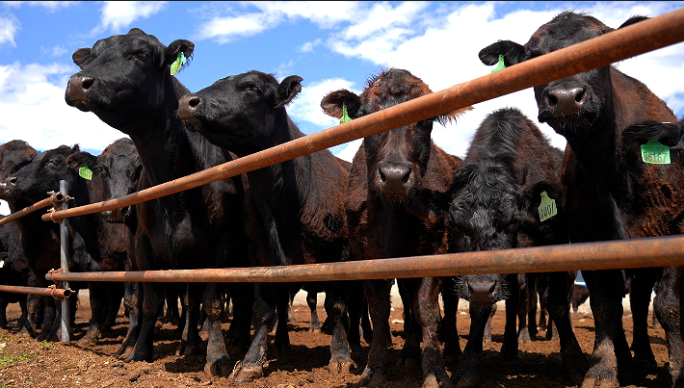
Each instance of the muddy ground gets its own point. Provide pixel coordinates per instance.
(27, 363)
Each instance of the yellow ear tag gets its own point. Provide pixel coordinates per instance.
(655, 152)
(85, 173)
(345, 117)
(500, 65)
(178, 63)
(547, 208)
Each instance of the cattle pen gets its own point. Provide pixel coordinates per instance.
(601, 51)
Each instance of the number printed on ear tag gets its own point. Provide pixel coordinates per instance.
(547, 208)
(85, 173)
(655, 152)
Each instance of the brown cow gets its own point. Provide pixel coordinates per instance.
(389, 212)
(611, 193)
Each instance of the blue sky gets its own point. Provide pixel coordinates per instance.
(331, 45)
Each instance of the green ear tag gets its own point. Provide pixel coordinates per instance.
(655, 152)
(85, 173)
(501, 65)
(345, 117)
(547, 208)
(178, 63)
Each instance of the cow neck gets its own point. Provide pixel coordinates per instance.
(285, 184)
(163, 146)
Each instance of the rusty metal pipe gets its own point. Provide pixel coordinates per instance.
(53, 199)
(637, 253)
(601, 51)
(56, 293)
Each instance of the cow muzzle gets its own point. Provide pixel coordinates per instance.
(395, 178)
(76, 94)
(565, 100)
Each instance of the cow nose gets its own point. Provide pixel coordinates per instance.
(11, 180)
(394, 177)
(482, 290)
(567, 101)
(188, 104)
(77, 90)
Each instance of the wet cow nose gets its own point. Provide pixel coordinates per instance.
(567, 101)
(394, 177)
(482, 290)
(78, 87)
(188, 104)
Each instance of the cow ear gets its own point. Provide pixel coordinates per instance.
(670, 134)
(333, 101)
(82, 159)
(513, 53)
(81, 57)
(177, 46)
(288, 89)
(633, 20)
(452, 116)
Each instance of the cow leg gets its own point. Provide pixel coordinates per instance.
(408, 314)
(217, 363)
(468, 370)
(312, 301)
(36, 308)
(556, 301)
(532, 302)
(252, 366)
(152, 305)
(238, 336)
(281, 343)
(115, 293)
(668, 310)
(641, 286)
(487, 336)
(410, 354)
(606, 290)
(98, 303)
(355, 302)
(3, 313)
(190, 339)
(452, 347)
(378, 296)
(336, 306)
(49, 313)
(509, 349)
(172, 315)
(426, 306)
(133, 302)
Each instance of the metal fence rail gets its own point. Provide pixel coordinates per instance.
(56, 293)
(637, 253)
(601, 51)
(54, 199)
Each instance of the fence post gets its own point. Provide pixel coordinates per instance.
(64, 262)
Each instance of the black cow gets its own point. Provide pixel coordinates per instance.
(125, 80)
(389, 212)
(580, 294)
(611, 193)
(295, 209)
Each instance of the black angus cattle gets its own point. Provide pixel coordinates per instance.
(389, 213)
(496, 195)
(580, 294)
(295, 209)
(14, 155)
(125, 80)
(611, 193)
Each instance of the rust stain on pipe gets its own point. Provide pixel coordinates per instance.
(56, 293)
(601, 51)
(637, 253)
(53, 199)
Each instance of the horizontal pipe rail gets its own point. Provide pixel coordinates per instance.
(53, 199)
(624, 254)
(56, 293)
(601, 51)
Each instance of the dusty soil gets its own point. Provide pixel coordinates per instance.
(27, 363)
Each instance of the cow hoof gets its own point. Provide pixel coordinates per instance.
(431, 382)
(191, 350)
(468, 382)
(86, 342)
(370, 378)
(341, 368)
(124, 352)
(645, 362)
(314, 330)
(592, 382)
(220, 368)
(246, 373)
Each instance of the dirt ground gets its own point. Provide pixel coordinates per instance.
(27, 363)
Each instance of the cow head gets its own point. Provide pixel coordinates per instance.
(491, 212)
(42, 175)
(14, 155)
(576, 106)
(125, 79)
(240, 112)
(120, 167)
(396, 160)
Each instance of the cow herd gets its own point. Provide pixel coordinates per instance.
(401, 196)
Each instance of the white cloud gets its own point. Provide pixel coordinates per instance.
(309, 46)
(33, 109)
(118, 15)
(56, 51)
(50, 5)
(226, 29)
(9, 25)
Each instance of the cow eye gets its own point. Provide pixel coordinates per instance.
(255, 89)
